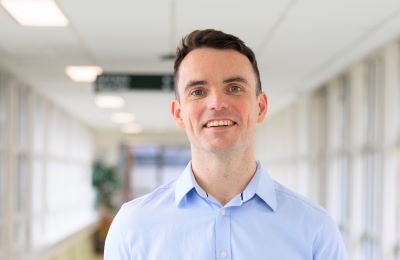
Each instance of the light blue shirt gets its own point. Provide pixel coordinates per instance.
(180, 220)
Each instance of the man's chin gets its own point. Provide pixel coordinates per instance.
(221, 147)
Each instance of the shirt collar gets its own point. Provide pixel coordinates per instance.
(261, 184)
(184, 184)
(264, 186)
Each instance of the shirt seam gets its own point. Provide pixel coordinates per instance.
(145, 198)
(303, 201)
(317, 237)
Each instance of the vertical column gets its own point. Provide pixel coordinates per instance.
(357, 78)
(334, 114)
(303, 140)
(11, 152)
(338, 158)
(391, 117)
(319, 132)
(4, 150)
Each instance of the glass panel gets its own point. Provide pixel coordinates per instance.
(21, 236)
(21, 183)
(3, 113)
(344, 132)
(155, 165)
(39, 125)
(372, 161)
(319, 143)
(2, 184)
(397, 113)
(370, 245)
(398, 205)
(1, 241)
(22, 118)
(144, 178)
(176, 156)
(55, 133)
(3, 133)
(38, 182)
(344, 194)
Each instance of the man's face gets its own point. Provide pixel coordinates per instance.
(218, 105)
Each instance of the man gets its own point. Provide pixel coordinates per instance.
(224, 205)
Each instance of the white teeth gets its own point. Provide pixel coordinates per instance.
(220, 123)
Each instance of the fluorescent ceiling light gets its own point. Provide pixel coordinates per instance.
(35, 12)
(122, 118)
(107, 101)
(83, 73)
(131, 129)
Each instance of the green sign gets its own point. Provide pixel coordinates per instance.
(127, 82)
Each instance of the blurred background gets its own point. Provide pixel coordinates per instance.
(85, 125)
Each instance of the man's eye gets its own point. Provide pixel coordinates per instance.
(235, 89)
(197, 92)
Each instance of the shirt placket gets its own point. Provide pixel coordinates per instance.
(223, 234)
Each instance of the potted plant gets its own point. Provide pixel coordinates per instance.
(105, 182)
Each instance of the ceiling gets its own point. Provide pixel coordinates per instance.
(299, 44)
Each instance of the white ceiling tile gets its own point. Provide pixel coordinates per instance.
(313, 33)
(121, 28)
(250, 21)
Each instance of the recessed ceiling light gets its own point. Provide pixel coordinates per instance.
(131, 129)
(122, 118)
(35, 12)
(83, 73)
(108, 101)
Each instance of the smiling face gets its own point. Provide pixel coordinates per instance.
(218, 105)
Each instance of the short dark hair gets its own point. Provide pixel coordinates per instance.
(211, 38)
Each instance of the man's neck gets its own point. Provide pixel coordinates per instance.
(223, 176)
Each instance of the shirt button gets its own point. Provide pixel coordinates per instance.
(223, 254)
(223, 212)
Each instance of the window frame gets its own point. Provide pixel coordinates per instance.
(344, 154)
(372, 157)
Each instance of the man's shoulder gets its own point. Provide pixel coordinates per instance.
(288, 198)
(164, 195)
(326, 240)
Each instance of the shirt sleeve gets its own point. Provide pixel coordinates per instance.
(116, 247)
(328, 244)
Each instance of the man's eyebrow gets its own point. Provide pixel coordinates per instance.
(194, 83)
(236, 79)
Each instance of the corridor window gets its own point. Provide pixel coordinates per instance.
(21, 176)
(38, 186)
(3, 132)
(62, 162)
(372, 160)
(28, 149)
(397, 115)
(2, 185)
(319, 144)
(343, 129)
(155, 165)
(397, 248)
(3, 112)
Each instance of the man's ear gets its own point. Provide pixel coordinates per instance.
(262, 106)
(176, 113)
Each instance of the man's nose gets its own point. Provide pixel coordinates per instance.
(217, 101)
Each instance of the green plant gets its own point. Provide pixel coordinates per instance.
(105, 181)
